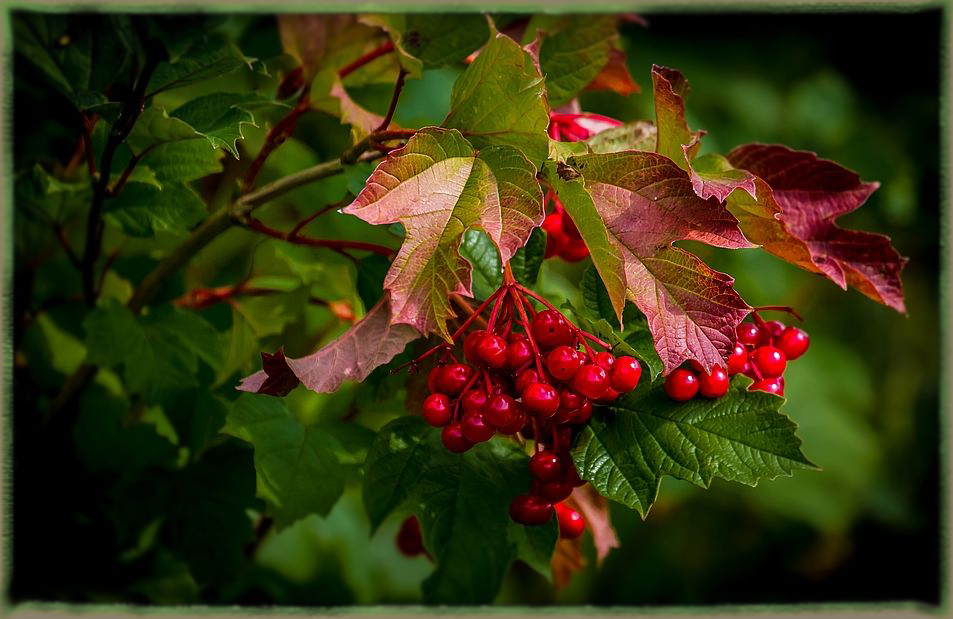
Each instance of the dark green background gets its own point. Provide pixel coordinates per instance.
(859, 88)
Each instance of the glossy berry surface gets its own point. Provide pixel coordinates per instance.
(545, 466)
(738, 359)
(525, 378)
(437, 409)
(454, 440)
(541, 399)
(453, 378)
(518, 354)
(554, 490)
(681, 385)
(529, 509)
(563, 362)
(604, 360)
(550, 329)
(476, 428)
(771, 331)
(591, 381)
(473, 401)
(470, 344)
(749, 334)
(514, 426)
(793, 342)
(583, 413)
(500, 410)
(492, 351)
(769, 361)
(771, 385)
(571, 522)
(714, 385)
(625, 374)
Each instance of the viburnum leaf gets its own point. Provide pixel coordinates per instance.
(306, 37)
(500, 99)
(219, 117)
(811, 194)
(298, 468)
(677, 142)
(615, 76)
(205, 59)
(481, 253)
(630, 207)
(462, 503)
(181, 162)
(371, 342)
(528, 259)
(638, 135)
(573, 50)
(362, 121)
(430, 41)
(438, 187)
(625, 450)
(142, 210)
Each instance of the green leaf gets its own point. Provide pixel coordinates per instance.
(105, 444)
(500, 99)
(625, 450)
(197, 416)
(220, 116)
(371, 272)
(183, 161)
(638, 135)
(431, 41)
(573, 51)
(528, 259)
(480, 252)
(298, 466)
(203, 60)
(190, 331)
(156, 127)
(48, 42)
(56, 200)
(142, 210)
(462, 503)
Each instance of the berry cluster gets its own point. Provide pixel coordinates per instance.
(531, 374)
(761, 352)
(562, 236)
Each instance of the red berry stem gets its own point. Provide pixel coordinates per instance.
(777, 308)
(550, 306)
(537, 356)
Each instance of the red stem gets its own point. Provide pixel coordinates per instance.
(518, 301)
(366, 58)
(281, 131)
(393, 101)
(777, 308)
(256, 225)
(549, 305)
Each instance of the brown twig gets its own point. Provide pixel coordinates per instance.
(386, 48)
(398, 87)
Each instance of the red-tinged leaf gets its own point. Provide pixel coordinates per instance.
(438, 187)
(680, 144)
(567, 561)
(812, 193)
(630, 207)
(370, 343)
(307, 38)
(362, 121)
(595, 509)
(615, 76)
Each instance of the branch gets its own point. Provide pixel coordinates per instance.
(281, 131)
(393, 100)
(296, 239)
(366, 58)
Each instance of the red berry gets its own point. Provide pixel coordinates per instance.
(544, 466)
(604, 360)
(550, 329)
(771, 385)
(793, 342)
(713, 385)
(525, 378)
(562, 417)
(541, 399)
(518, 353)
(519, 420)
(738, 359)
(583, 413)
(681, 385)
(470, 344)
(591, 381)
(454, 378)
(492, 351)
(749, 333)
(473, 401)
(574, 250)
(453, 438)
(409, 541)
(554, 490)
(476, 428)
(769, 360)
(571, 522)
(569, 400)
(563, 362)
(530, 510)
(610, 395)
(625, 374)
(771, 331)
(500, 410)
(437, 410)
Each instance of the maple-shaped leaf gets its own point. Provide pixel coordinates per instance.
(372, 342)
(812, 193)
(680, 144)
(438, 187)
(630, 207)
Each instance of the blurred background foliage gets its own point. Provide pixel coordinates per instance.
(859, 88)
